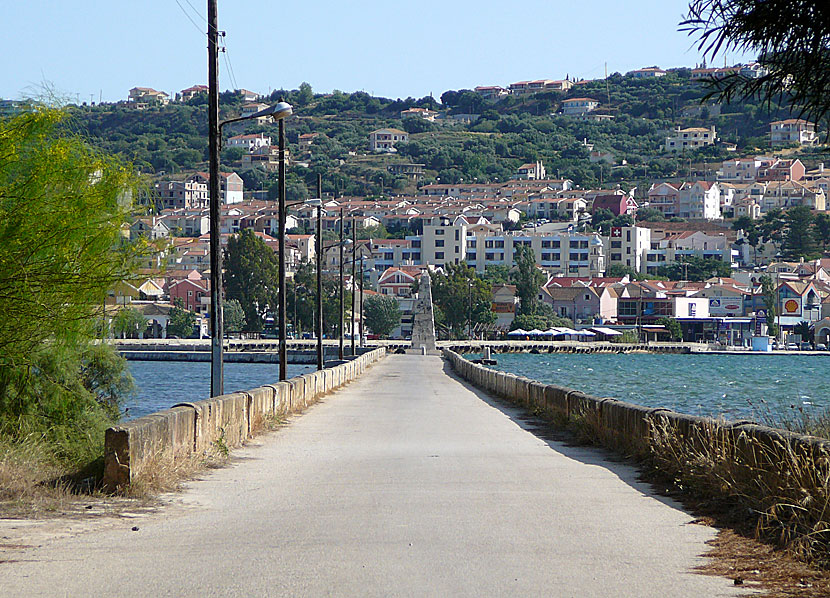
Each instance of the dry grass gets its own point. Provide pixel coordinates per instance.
(34, 485)
(749, 562)
(781, 490)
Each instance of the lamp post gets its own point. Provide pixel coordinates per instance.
(340, 292)
(318, 320)
(354, 280)
(278, 112)
(360, 309)
(470, 313)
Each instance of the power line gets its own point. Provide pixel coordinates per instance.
(189, 18)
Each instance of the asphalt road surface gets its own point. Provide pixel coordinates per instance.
(407, 482)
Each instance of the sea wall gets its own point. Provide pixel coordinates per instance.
(753, 450)
(192, 429)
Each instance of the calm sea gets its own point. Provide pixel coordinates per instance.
(162, 384)
(734, 386)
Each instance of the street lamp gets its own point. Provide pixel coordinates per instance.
(278, 112)
(354, 280)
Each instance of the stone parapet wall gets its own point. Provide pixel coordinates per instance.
(192, 429)
(757, 449)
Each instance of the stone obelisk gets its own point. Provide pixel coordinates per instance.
(423, 323)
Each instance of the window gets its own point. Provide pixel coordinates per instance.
(471, 243)
(616, 257)
(545, 244)
(439, 242)
(573, 256)
(628, 236)
(457, 249)
(471, 257)
(490, 256)
(439, 231)
(456, 234)
(574, 245)
(499, 244)
(416, 243)
(190, 293)
(439, 255)
(616, 244)
(556, 244)
(488, 244)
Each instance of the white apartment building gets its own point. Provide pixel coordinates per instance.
(188, 195)
(384, 140)
(793, 130)
(249, 142)
(742, 170)
(579, 106)
(628, 246)
(700, 200)
(231, 186)
(690, 139)
(671, 247)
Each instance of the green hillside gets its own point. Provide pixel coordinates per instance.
(517, 129)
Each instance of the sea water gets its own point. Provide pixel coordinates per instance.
(732, 386)
(162, 384)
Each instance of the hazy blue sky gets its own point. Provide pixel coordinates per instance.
(390, 48)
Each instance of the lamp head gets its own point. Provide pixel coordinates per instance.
(278, 111)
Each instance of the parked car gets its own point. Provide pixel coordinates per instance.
(792, 347)
(821, 347)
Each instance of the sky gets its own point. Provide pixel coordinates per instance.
(93, 49)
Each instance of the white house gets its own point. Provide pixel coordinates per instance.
(249, 142)
(384, 140)
(579, 105)
(690, 139)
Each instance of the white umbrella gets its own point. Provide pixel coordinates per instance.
(535, 332)
(517, 332)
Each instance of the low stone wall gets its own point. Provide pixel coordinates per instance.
(755, 449)
(192, 428)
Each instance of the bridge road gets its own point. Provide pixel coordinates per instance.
(404, 483)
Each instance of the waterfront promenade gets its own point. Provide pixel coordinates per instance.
(406, 482)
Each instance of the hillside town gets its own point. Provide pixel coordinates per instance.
(604, 251)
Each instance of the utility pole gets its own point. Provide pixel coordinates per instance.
(282, 318)
(318, 320)
(340, 332)
(216, 327)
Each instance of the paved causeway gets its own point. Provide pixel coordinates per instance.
(404, 483)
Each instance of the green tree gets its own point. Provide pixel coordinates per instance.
(528, 279)
(129, 323)
(803, 329)
(61, 211)
(460, 296)
(790, 40)
(251, 277)
(382, 314)
(772, 225)
(650, 215)
(233, 316)
(62, 206)
(672, 326)
(821, 223)
(770, 294)
(497, 274)
(799, 239)
(695, 268)
(182, 321)
(751, 232)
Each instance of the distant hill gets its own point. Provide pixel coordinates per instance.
(165, 141)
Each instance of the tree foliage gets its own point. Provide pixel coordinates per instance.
(528, 279)
(695, 268)
(672, 326)
(770, 294)
(129, 323)
(799, 234)
(60, 222)
(461, 297)
(233, 316)
(62, 206)
(382, 314)
(251, 277)
(182, 321)
(791, 40)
